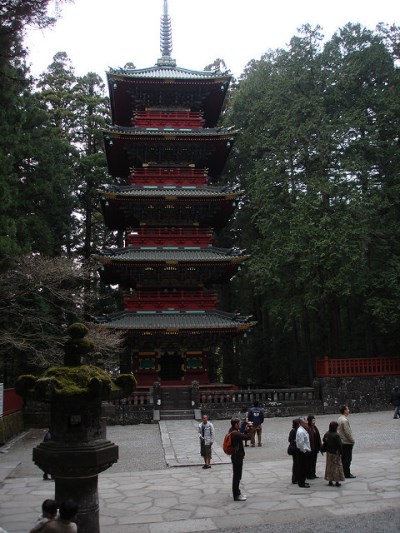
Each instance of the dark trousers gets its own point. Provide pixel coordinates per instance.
(347, 457)
(301, 464)
(294, 470)
(237, 468)
(312, 464)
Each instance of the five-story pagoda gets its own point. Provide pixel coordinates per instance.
(166, 153)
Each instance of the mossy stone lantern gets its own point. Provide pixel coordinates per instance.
(78, 450)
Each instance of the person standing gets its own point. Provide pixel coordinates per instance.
(292, 448)
(256, 416)
(315, 444)
(303, 450)
(346, 436)
(237, 439)
(395, 401)
(206, 436)
(47, 438)
(333, 447)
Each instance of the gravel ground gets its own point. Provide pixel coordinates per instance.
(140, 446)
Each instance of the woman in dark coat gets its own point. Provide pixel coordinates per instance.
(292, 448)
(332, 445)
(316, 446)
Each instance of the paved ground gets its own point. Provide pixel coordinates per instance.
(157, 486)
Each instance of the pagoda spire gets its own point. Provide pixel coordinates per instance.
(166, 39)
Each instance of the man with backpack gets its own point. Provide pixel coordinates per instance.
(256, 417)
(237, 455)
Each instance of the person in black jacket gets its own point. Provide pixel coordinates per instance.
(332, 445)
(395, 401)
(292, 448)
(256, 416)
(237, 457)
(316, 445)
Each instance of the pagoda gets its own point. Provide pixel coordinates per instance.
(166, 153)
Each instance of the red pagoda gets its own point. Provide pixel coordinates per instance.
(166, 153)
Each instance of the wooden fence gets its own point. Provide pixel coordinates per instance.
(360, 367)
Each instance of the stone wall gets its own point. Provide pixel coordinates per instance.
(36, 414)
(125, 414)
(10, 425)
(361, 394)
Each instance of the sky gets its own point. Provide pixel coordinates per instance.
(99, 34)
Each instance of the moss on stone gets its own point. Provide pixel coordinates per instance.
(77, 330)
(77, 380)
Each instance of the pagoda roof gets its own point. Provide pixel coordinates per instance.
(133, 147)
(167, 72)
(165, 192)
(175, 254)
(196, 133)
(177, 321)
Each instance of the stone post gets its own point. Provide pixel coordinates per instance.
(78, 450)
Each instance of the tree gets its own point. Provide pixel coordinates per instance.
(16, 121)
(78, 110)
(318, 159)
(40, 298)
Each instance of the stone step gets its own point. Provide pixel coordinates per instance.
(176, 414)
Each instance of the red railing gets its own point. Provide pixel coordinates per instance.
(169, 237)
(11, 402)
(368, 366)
(175, 176)
(179, 300)
(168, 119)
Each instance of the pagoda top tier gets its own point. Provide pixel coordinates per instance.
(166, 85)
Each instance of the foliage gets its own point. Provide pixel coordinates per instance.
(39, 298)
(318, 157)
(27, 150)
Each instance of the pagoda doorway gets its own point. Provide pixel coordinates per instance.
(171, 367)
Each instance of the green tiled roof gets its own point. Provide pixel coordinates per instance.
(167, 72)
(176, 320)
(180, 254)
(182, 192)
(177, 132)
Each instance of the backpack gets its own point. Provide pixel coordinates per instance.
(227, 446)
(256, 416)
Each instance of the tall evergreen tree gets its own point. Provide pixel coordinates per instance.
(318, 156)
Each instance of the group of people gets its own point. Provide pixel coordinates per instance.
(305, 444)
(57, 520)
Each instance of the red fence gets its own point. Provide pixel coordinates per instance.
(11, 402)
(371, 366)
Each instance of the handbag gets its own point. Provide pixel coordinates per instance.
(291, 449)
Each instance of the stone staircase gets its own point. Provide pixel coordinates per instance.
(177, 414)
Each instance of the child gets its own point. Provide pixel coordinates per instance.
(49, 512)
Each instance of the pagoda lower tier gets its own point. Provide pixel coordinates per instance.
(172, 347)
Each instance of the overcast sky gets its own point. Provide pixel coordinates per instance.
(98, 34)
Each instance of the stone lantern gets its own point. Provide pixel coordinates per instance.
(78, 450)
